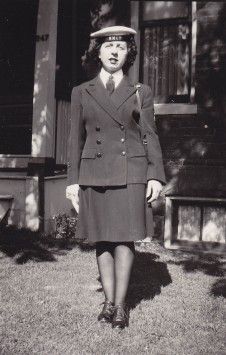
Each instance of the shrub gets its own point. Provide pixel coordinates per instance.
(65, 226)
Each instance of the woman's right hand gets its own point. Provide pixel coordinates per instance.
(72, 194)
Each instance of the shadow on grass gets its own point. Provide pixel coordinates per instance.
(212, 265)
(219, 288)
(25, 245)
(149, 275)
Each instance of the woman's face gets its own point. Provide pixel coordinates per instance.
(113, 55)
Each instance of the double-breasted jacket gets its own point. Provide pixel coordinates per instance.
(106, 137)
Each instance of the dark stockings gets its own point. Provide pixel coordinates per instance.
(115, 261)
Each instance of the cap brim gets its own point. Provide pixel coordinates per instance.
(113, 31)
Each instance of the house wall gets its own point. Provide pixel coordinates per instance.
(194, 145)
(24, 210)
(210, 80)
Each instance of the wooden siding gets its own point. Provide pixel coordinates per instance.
(62, 130)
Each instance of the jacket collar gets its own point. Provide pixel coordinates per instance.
(125, 89)
(111, 104)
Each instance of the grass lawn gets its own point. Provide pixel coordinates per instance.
(50, 297)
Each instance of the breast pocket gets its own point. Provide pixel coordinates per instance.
(89, 153)
(136, 152)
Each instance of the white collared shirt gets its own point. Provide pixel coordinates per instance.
(104, 75)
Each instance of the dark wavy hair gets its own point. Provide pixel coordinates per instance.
(92, 63)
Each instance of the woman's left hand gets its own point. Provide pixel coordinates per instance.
(154, 188)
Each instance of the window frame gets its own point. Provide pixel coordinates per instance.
(168, 108)
(144, 24)
(171, 240)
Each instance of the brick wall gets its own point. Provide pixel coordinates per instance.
(194, 146)
(194, 156)
(211, 65)
(200, 140)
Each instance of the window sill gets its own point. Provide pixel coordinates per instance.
(175, 109)
(14, 161)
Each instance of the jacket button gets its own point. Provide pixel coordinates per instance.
(98, 155)
(122, 128)
(98, 141)
(123, 153)
(122, 140)
(97, 128)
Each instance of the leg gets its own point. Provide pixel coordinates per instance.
(124, 257)
(105, 262)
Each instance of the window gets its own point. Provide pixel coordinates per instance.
(17, 56)
(166, 49)
(195, 222)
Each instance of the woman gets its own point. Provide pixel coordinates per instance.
(111, 172)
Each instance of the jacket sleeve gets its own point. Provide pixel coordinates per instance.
(77, 138)
(149, 131)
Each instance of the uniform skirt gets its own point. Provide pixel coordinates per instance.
(114, 214)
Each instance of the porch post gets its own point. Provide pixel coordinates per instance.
(43, 126)
(42, 159)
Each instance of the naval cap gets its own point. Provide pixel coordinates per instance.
(113, 33)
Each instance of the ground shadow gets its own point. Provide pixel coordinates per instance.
(219, 288)
(149, 275)
(24, 245)
(212, 265)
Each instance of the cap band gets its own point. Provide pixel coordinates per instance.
(115, 38)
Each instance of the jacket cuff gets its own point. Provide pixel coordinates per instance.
(156, 172)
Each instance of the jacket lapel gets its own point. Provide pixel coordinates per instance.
(125, 89)
(111, 104)
(97, 90)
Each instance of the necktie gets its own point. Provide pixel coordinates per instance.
(110, 85)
